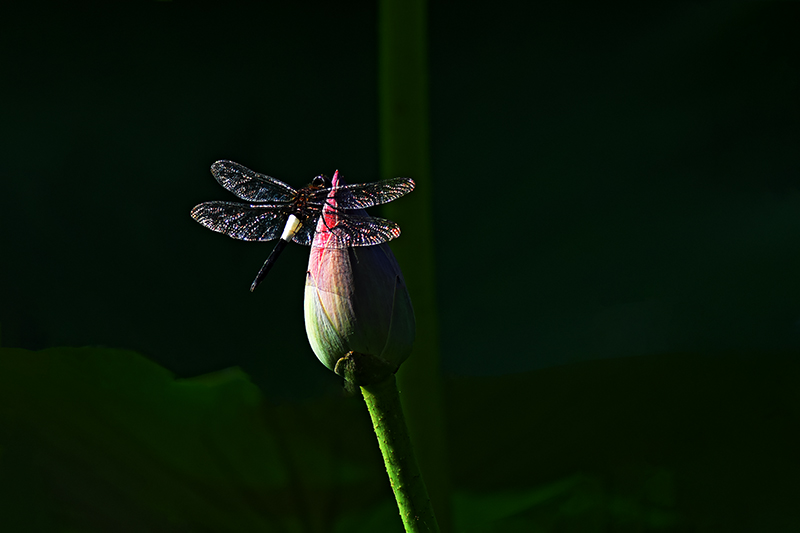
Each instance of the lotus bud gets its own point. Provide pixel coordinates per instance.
(358, 313)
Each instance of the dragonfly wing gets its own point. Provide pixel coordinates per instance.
(356, 230)
(363, 195)
(249, 185)
(305, 235)
(242, 221)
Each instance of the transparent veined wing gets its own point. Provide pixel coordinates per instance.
(249, 185)
(354, 230)
(242, 221)
(363, 195)
(305, 235)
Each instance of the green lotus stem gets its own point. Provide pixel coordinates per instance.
(383, 402)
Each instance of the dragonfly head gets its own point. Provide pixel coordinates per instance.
(320, 182)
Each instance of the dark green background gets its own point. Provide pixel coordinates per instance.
(609, 181)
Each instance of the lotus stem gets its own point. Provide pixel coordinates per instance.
(383, 402)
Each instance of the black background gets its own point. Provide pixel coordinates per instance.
(610, 180)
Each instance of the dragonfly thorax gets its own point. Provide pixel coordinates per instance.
(306, 194)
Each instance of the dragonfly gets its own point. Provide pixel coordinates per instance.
(277, 211)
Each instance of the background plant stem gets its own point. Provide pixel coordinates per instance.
(383, 402)
(404, 151)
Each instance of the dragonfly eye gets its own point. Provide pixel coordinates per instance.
(319, 181)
